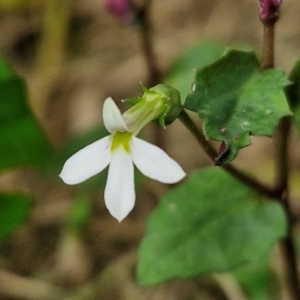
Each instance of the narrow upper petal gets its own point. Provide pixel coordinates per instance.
(87, 162)
(112, 117)
(119, 194)
(153, 162)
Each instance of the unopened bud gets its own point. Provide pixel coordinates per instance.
(161, 102)
(269, 10)
(121, 10)
(172, 98)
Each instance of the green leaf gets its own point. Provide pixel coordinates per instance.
(182, 72)
(235, 99)
(14, 211)
(211, 223)
(22, 140)
(293, 93)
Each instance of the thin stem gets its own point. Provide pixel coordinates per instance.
(283, 165)
(154, 75)
(290, 256)
(268, 46)
(211, 152)
(191, 126)
(282, 189)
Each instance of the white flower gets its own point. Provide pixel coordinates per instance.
(120, 151)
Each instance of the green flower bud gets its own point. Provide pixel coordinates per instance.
(161, 102)
(172, 98)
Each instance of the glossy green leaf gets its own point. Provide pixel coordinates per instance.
(182, 72)
(236, 99)
(211, 223)
(14, 211)
(22, 140)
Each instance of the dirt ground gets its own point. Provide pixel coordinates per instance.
(101, 58)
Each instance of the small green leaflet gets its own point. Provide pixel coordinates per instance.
(236, 99)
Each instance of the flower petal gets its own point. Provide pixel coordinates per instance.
(87, 162)
(112, 117)
(119, 192)
(153, 162)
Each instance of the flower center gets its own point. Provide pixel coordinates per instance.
(121, 139)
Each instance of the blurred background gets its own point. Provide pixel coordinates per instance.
(73, 54)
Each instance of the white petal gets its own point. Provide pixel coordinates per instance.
(153, 162)
(87, 162)
(112, 117)
(119, 192)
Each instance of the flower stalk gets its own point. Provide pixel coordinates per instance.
(269, 15)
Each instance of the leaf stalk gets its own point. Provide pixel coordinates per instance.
(212, 153)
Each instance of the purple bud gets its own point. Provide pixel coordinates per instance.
(120, 9)
(269, 10)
